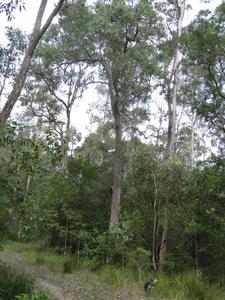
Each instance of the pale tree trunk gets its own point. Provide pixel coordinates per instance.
(24, 201)
(63, 150)
(191, 159)
(114, 217)
(21, 76)
(163, 246)
(154, 224)
(27, 188)
(115, 104)
(173, 88)
(191, 156)
(191, 165)
(65, 140)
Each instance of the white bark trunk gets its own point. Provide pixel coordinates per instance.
(172, 123)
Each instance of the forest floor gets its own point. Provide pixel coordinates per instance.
(81, 284)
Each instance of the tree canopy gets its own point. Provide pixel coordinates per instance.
(145, 187)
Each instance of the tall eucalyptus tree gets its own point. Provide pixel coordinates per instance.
(173, 11)
(120, 38)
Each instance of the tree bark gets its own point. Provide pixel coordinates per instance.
(65, 140)
(114, 216)
(163, 246)
(191, 156)
(196, 254)
(154, 225)
(115, 104)
(174, 80)
(21, 76)
(27, 188)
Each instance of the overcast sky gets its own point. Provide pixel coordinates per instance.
(25, 21)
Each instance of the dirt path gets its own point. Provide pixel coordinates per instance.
(78, 285)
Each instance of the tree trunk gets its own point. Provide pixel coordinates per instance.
(139, 273)
(115, 104)
(21, 76)
(173, 86)
(154, 225)
(191, 156)
(20, 226)
(163, 246)
(65, 140)
(27, 188)
(114, 216)
(196, 254)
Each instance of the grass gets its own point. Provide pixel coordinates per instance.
(13, 283)
(187, 286)
(47, 257)
(114, 276)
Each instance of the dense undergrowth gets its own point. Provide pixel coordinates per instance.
(13, 283)
(18, 285)
(190, 285)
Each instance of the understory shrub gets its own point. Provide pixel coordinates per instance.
(187, 286)
(194, 286)
(13, 282)
(35, 295)
(113, 275)
(69, 264)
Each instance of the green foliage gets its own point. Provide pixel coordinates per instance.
(113, 244)
(13, 283)
(195, 286)
(40, 259)
(68, 210)
(9, 6)
(114, 276)
(181, 286)
(186, 286)
(48, 256)
(203, 44)
(35, 295)
(140, 258)
(68, 265)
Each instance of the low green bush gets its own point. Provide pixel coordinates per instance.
(186, 286)
(40, 259)
(114, 276)
(13, 282)
(35, 295)
(194, 286)
(69, 265)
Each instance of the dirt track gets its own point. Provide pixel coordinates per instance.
(78, 285)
